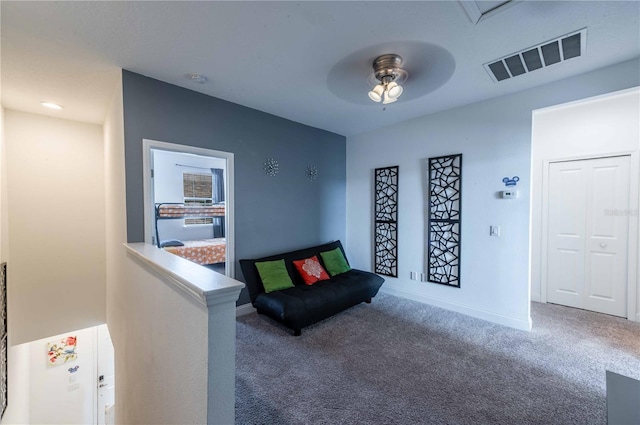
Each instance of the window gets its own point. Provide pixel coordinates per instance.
(197, 191)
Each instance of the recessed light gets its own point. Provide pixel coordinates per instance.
(51, 105)
(197, 78)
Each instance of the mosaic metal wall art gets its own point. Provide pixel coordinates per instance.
(3, 339)
(3, 371)
(271, 167)
(386, 221)
(311, 172)
(3, 299)
(443, 220)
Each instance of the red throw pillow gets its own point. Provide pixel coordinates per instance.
(311, 270)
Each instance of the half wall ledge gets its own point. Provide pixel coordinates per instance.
(205, 301)
(207, 287)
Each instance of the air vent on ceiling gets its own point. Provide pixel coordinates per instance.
(548, 53)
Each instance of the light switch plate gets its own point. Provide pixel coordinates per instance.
(494, 231)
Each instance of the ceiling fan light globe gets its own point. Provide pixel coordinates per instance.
(394, 90)
(388, 99)
(376, 93)
(374, 96)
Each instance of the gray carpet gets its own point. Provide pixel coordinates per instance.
(397, 361)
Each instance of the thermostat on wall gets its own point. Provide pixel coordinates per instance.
(509, 194)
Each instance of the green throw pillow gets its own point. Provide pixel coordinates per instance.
(334, 261)
(274, 275)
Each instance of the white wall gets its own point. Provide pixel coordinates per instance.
(168, 187)
(162, 356)
(37, 394)
(159, 336)
(116, 235)
(4, 204)
(493, 274)
(56, 395)
(18, 355)
(608, 124)
(55, 183)
(495, 139)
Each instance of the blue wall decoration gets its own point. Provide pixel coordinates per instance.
(509, 182)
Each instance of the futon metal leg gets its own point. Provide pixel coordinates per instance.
(368, 300)
(297, 332)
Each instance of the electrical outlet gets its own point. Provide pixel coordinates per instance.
(413, 275)
(494, 231)
(423, 277)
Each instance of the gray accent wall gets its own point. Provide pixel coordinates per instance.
(272, 214)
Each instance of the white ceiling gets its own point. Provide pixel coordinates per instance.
(305, 61)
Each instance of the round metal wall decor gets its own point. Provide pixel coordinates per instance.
(271, 167)
(311, 172)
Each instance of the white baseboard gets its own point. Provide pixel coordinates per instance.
(536, 298)
(244, 309)
(638, 317)
(512, 322)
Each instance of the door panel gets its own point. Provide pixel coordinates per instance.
(588, 222)
(607, 235)
(602, 268)
(603, 194)
(566, 234)
(567, 286)
(106, 370)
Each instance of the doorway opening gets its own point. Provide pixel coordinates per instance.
(586, 255)
(585, 194)
(189, 203)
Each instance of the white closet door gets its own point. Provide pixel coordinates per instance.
(607, 235)
(567, 223)
(588, 234)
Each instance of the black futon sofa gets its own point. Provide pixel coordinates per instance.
(302, 305)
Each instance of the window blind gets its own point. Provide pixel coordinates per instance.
(197, 189)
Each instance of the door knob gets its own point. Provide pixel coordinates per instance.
(603, 245)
